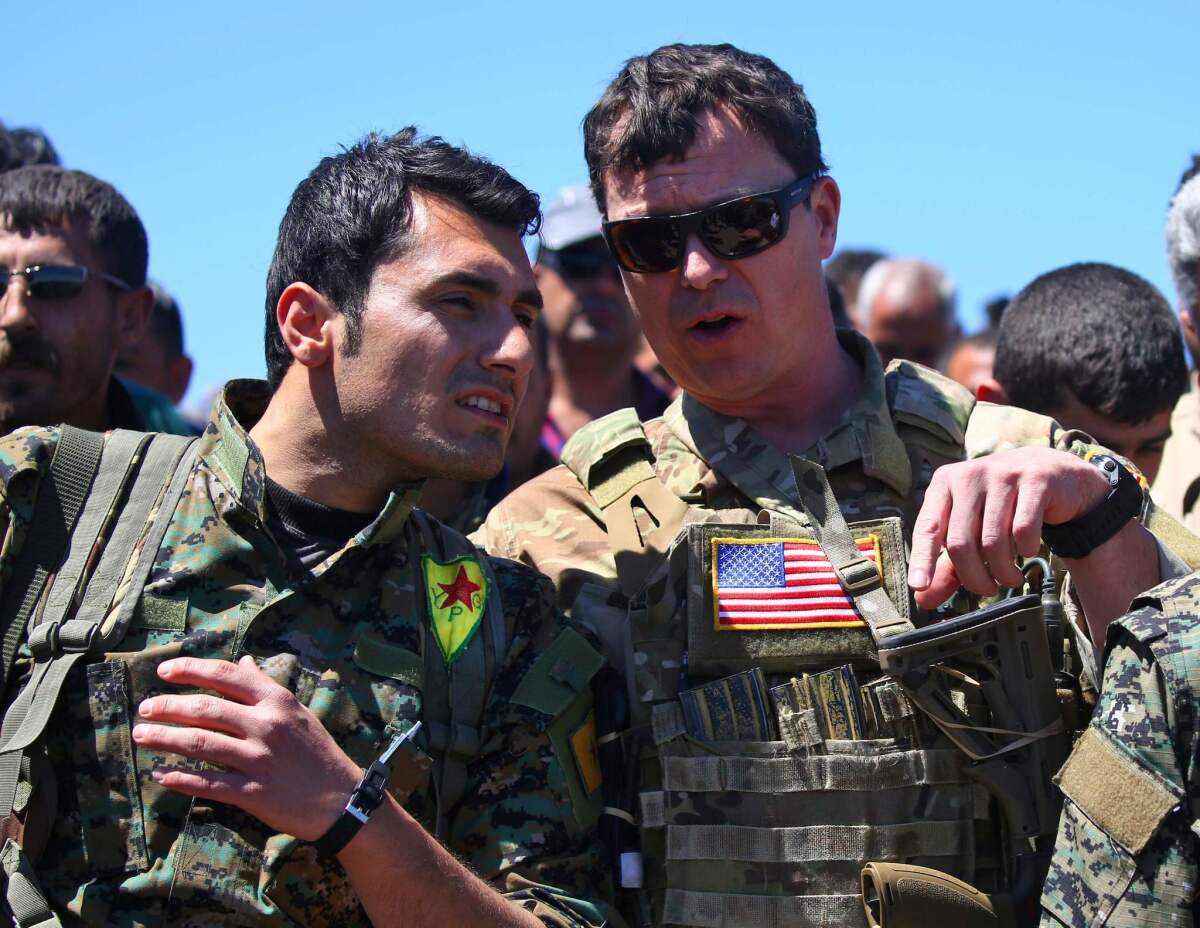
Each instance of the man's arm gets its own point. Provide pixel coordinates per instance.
(979, 515)
(279, 764)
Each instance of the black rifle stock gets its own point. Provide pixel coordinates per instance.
(1004, 649)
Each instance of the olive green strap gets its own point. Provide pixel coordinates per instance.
(59, 501)
(735, 910)
(24, 895)
(859, 576)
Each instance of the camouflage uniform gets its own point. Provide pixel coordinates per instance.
(878, 461)
(347, 641)
(1127, 849)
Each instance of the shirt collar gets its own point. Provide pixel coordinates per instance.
(864, 433)
(228, 450)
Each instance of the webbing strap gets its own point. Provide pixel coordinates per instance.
(736, 910)
(859, 576)
(819, 842)
(24, 895)
(793, 774)
(55, 512)
(121, 452)
(453, 699)
(71, 641)
(630, 479)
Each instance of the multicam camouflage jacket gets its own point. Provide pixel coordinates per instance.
(348, 640)
(1127, 850)
(879, 460)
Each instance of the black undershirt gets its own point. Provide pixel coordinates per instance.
(308, 531)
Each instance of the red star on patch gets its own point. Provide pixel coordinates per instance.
(459, 591)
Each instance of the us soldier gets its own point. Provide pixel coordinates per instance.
(709, 547)
(1127, 850)
(324, 615)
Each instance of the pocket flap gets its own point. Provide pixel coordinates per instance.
(379, 657)
(1126, 801)
(561, 672)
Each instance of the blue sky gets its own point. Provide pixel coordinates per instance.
(1000, 140)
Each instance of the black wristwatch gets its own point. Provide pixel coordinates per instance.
(364, 800)
(1080, 537)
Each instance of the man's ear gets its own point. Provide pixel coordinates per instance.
(825, 203)
(305, 319)
(990, 391)
(133, 312)
(179, 373)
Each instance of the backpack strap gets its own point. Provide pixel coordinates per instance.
(455, 696)
(59, 501)
(58, 643)
(611, 456)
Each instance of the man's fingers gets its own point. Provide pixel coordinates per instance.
(1028, 514)
(197, 710)
(996, 534)
(963, 534)
(242, 682)
(220, 785)
(942, 585)
(929, 533)
(197, 744)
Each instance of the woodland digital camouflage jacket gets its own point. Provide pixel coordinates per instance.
(1127, 849)
(124, 851)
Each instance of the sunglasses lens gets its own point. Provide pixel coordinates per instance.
(55, 282)
(646, 246)
(742, 227)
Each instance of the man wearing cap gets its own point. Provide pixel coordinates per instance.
(592, 333)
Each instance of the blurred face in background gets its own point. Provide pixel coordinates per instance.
(585, 304)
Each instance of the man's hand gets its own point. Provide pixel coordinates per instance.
(979, 515)
(276, 761)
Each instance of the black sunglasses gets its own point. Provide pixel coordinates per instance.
(584, 262)
(734, 229)
(55, 281)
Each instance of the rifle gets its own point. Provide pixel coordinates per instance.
(1003, 648)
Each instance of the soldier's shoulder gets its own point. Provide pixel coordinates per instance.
(26, 450)
(994, 427)
(922, 397)
(601, 438)
(1166, 618)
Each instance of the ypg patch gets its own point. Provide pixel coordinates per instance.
(457, 593)
(762, 584)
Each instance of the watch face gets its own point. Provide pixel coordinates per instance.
(1109, 466)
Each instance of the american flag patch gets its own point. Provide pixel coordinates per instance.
(775, 583)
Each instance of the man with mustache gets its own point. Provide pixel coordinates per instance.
(592, 332)
(322, 615)
(73, 260)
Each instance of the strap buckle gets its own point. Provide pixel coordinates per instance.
(50, 639)
(859, 576)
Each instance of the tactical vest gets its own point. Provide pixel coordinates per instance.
(100, 516)
(764, 824)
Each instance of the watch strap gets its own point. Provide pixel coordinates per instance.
(365, 799)
(1080, 537)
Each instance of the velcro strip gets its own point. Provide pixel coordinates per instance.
(1126, 802)
(819, 842)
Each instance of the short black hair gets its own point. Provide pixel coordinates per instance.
(22, 147)
(166, 322)
(651, 110)
(45, 196)
(354, 211)
(1098, 333)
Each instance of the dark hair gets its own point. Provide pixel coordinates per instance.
(166, 324)
(354, 211)
(651, 109)
(22, 147)
(850, 264)
(45, 196)
(1096, 332)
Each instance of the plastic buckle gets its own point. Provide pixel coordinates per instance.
(859, 576)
